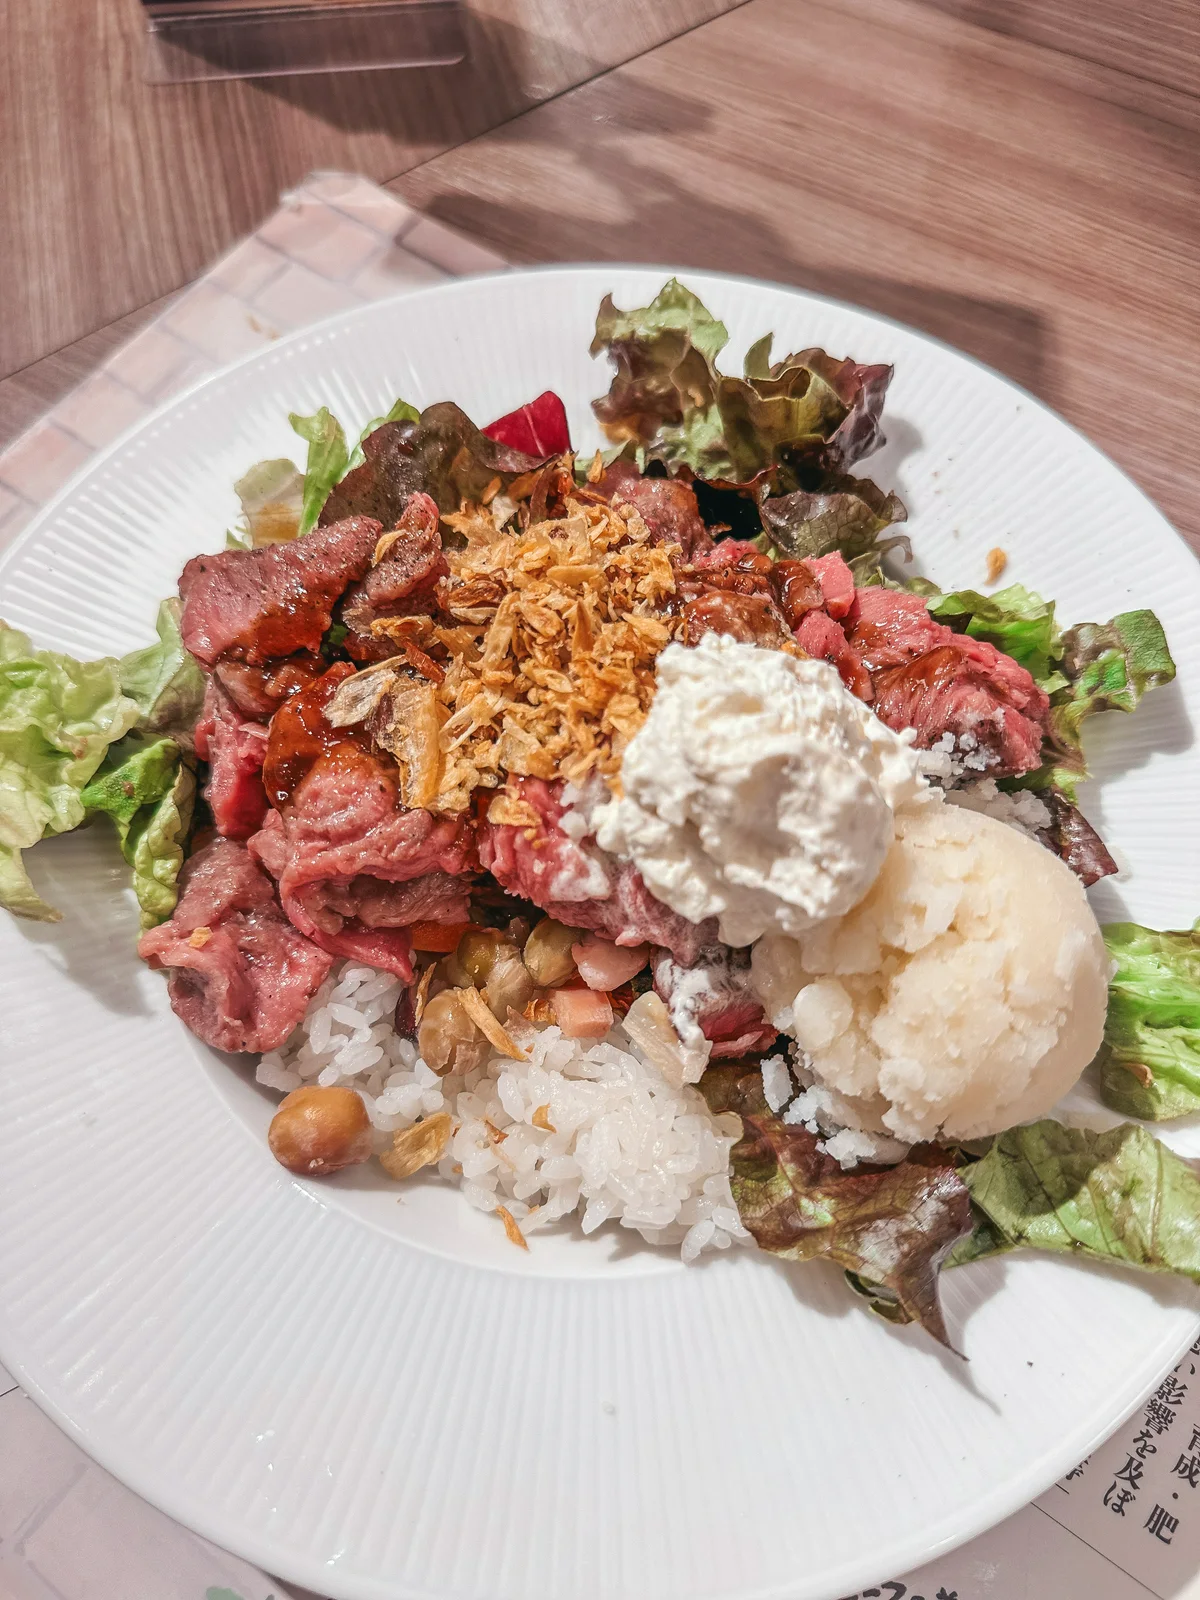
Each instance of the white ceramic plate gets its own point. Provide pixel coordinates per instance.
(376, 1395)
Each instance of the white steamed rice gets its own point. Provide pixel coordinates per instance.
(626, 1147)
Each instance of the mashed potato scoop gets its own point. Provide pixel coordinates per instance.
(964, 994)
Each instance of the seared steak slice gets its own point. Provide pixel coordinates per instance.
(259, 605)
(241, 975)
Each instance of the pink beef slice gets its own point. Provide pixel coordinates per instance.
(403, 584)
(355, 870)
(579, 884)
(929, 678)
(819, 636)
(726, 553)
(667, 506)
(261, 605)
(235, 750)
(713, 994)
(889, 627)
(837, 583)
(946, 691)
(240, 975)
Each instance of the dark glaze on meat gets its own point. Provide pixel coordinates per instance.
(300, 737)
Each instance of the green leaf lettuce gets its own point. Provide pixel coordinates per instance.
(1108, 666)
(57, 720)
(1015, 620)
(148, 791)
(327, 461)
(808, 411)
(1121, 1198)
(1150, 1059)
(272, 500)
(164, 680)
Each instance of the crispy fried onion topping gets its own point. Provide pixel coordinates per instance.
(545, 644)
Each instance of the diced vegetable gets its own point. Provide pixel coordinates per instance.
(604, 965)
(438, 938)
(581, 1013)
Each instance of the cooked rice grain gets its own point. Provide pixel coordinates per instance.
(579, 1127)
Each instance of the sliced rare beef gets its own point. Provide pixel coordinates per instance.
(235, 750)
(712, 996)
(578, 883)
(403, 582)
(355, 869)
(889, 627)
(258, 691)
(752, 618)
(820, 637)
(943, 692)
(240, 974)
(258, 606)
(938, 682)
(667, 506)
(729, 590)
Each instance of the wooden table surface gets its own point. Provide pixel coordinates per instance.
(1019, 177)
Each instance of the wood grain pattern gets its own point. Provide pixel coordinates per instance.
(1039, 212)
(1155, 39)
(115, 191)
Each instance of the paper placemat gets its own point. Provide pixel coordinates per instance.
(1124, 1525)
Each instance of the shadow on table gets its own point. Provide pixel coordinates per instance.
(668, 220)
(508, 71)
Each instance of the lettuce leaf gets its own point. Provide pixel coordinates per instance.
(1015, 620)
(57, 720)
(1150, 1059)
(806, 413)
(327, 461)
(400, 411)
(1121, 1198)
(164, 679)
(847, 514)
(442, 453)
(890, 1227)
(148, 791)
(1107, 666)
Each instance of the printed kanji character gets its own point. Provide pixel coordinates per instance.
(1158, 1521)
(1131, 1472)
(953, 1595)
(895, 1591)
(1143, 1445)
(1188, 1468)
(1194, 1441)
(1171, 1392)
(1158, 1417)
(1077, 1472)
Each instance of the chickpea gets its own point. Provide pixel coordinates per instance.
(319, 1130)
(509, 986)
(548, 952)
(448, 1039)
(478, 951)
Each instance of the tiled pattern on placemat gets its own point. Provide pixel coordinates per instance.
(336, 241)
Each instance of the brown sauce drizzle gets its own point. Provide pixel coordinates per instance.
(300, 737)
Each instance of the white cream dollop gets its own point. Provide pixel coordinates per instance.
(758, 790)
